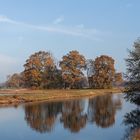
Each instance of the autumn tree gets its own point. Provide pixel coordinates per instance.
(133, 74)
(72, 66)
(104, 72)
(15, 81)
(53, 79)
(38, 66)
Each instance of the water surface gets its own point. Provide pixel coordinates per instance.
(99, 118)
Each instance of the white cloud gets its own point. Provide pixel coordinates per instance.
(59, 20)
(79, 31)
(7, 20)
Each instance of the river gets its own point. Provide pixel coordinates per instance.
(99, 118)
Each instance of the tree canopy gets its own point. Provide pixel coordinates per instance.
(38, 66)
(73, 71)
(72, 66)
(104, 72)
(133, 74)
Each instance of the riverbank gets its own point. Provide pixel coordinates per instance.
(18, 96)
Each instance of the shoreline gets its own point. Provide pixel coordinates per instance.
(20, 96)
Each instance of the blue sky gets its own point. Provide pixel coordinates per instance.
(93, 27)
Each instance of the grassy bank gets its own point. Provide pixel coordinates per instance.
(15, 97)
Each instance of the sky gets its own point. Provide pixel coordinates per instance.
(92, 27)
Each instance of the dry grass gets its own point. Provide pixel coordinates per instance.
(9, 97)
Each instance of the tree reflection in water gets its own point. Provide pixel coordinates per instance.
(74, 114)
(41, 117)
(102, 110)
(73, 117)
(132, 121)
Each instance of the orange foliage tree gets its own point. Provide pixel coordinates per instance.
(37, 67)
(72, 66)
(104, 72)
(15, 81)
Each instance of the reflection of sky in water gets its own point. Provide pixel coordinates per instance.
(86, 106)
(13, 125)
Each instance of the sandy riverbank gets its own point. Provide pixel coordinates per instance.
(18, 96)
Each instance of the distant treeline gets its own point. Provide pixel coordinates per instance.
(42, 72)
